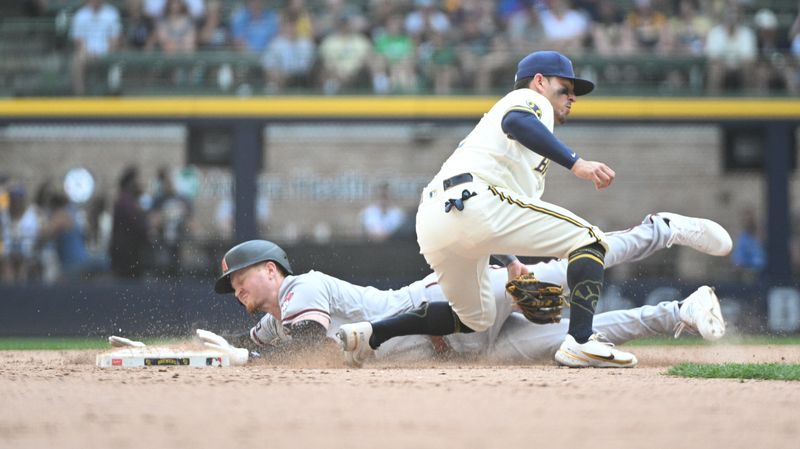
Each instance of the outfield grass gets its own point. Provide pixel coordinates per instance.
(64, 343)
(765, 371)
(690, 340)
(77, 343)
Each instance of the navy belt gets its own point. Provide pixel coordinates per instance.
(456, 180)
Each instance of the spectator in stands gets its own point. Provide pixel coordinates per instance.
(99, 224)
(506, 9)
(328, 19)
(297, 11)
(610, 33)
(130, 233)
(253, 27)
(437, 60)
(21, 227)
(170, 218)
(487, 15)
(650, 28)
(382, 219)
(425, 18)
(686, 36)
(475, 43)
(524, 29)
(95, 32)
(289, 58)
(64, 229)
(344, 56)
(50, 267)
(175, 31)
(213, 30)
(731, 50)
(158, 9)
(139, 29)
(4, 200)
(565, 28)
(393, 65)
(688, 29)
(748, 253)
(773, 72)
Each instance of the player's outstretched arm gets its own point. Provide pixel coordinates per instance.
(599, 173)
(269, 338)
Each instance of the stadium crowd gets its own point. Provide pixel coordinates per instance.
(446, 46)
(50, 236)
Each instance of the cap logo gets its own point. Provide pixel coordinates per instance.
(224, 265)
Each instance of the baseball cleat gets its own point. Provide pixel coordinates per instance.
(700, 313)
(594, 353)
(354, 340)
(701, 234)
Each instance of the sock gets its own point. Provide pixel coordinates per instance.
(434, 318)
(585, 273)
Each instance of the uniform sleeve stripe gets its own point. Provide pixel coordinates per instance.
(255, 338)
(581, 256)
(520, 109)
(303, 312)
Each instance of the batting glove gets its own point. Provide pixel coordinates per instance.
(239, 356)
(122, 342)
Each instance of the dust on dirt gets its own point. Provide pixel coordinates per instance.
(60, 399)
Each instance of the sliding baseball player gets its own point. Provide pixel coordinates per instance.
(305, 310)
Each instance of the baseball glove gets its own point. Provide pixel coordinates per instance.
(540, 302)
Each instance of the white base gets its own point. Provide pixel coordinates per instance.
(155, 356)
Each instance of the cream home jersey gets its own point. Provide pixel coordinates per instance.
(496, 159)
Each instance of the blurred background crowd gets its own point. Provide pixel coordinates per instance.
(256, 47)
(54, 234)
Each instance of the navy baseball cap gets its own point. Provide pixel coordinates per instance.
(552, 63)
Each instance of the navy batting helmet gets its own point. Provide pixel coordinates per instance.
(249, 253)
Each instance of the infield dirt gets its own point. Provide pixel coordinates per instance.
(60, 399)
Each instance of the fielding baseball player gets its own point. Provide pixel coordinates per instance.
(486, 199)
(304, 310)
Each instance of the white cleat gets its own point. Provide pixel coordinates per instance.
(594, 353)
(701, 234)
(700, 313)
(354, 341)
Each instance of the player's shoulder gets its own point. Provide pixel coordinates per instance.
(524, 99)
(309, 276)
(523, 95)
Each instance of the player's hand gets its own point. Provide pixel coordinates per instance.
(122, 342)
(516, 269)
(599, 173)
(239, 356)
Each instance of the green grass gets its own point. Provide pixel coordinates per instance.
(63, 343)
(77, 343)
(765, 371)
(690, 340)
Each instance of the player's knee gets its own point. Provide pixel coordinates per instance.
(478, 322)
(595, 251)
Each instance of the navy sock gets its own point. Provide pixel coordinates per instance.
(585, 273)
(435, 318)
